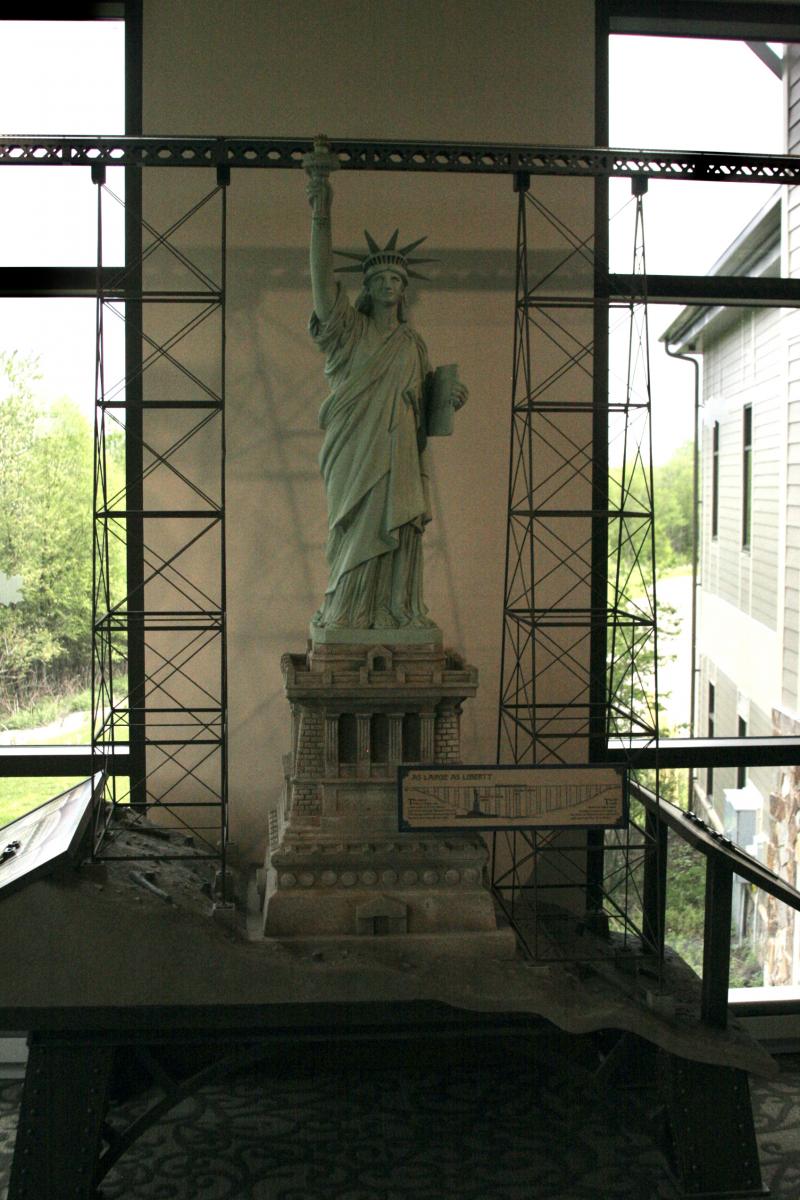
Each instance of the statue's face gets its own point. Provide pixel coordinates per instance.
(386, 287)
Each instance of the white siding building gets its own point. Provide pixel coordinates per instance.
(748, 629)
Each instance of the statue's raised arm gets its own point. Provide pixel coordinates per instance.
(318, 165)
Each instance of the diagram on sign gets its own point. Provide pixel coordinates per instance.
(511, 797)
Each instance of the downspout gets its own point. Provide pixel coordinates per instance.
(695, 548)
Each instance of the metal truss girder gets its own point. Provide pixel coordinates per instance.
(442, 157)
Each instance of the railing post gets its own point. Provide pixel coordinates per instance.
(654, 890)
(717, 942)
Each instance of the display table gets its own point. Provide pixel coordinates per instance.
(108, 976)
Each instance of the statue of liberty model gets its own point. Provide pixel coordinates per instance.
(383, 405)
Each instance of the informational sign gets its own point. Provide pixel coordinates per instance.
(512, 797)
(40, 840)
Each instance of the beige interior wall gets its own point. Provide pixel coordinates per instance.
(427, 69)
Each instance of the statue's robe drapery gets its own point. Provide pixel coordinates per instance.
(373, 463)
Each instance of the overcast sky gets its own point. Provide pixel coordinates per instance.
(70, 80)
(685, 94)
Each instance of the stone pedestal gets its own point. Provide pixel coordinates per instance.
(336, 863)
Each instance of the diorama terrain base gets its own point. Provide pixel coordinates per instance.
(103, 963)
(93, 939)
(408, 947)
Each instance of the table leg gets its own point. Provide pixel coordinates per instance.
(61, 1117)
(713, 1140)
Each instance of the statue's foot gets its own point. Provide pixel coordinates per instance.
(421, 623)
(383, 619)
(319, 622)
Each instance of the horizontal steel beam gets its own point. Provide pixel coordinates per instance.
(775, 22)
(36, 762)
(709, 752)
(56, 281)
(717, 290)
(673, 753)
(442, 157)
(661, 289)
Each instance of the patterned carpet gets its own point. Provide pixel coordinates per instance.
(472, 1130)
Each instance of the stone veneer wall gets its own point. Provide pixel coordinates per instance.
(783, 853)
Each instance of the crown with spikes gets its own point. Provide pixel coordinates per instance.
(389, 258)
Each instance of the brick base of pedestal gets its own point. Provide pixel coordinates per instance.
(406, 885)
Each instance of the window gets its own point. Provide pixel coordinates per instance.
(739, 599)
(747, 473)
(741, 770)
(60, 77)
(710, 770)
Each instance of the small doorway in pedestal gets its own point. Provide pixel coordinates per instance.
(381, 916)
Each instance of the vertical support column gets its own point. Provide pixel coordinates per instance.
(427, 732)
(363, 755)
(395, 738)
(717, 942)
(223, 179)
(331, 744)
(102, 703)
(598, 687)
(598, 674)
(516, 716)
(654, 890)
(715, 1158)
(61, 1117)
(134, 424)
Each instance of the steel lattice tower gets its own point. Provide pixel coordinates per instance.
(159, 679)
(579, 663)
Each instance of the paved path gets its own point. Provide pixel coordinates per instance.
(44, 734)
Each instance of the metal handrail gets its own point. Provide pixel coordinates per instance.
(723, 860)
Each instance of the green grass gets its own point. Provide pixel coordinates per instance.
(19, 796)
(677, 569)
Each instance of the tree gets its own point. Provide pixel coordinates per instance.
(673, 502)
(46, 468)
(672, 507)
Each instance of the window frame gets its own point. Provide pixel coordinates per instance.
(747, 475)
(711, 719)
(757, 22)
(52, 282)
(715, 442)
(741, 770)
